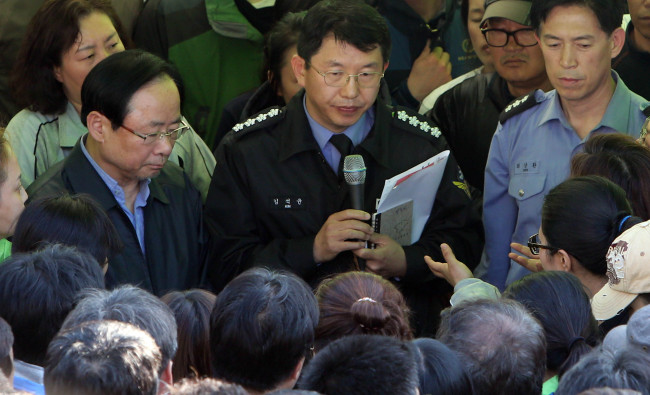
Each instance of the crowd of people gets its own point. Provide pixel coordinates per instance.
(178, 214)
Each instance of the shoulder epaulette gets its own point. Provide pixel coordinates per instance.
(518, 106)
(266, 118)
(415, 122)
(646, 111)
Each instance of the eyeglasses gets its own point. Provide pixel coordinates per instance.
(151, 138)
(338, 79)
(534, 245)
(499, 37)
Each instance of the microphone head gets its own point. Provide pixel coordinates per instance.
(354, 170)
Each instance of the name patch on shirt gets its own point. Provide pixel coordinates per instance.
(527, 167)
(287, 203)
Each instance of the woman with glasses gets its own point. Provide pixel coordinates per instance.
(581, 217)
(64, 41)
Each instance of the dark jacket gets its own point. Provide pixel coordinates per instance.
(175, 239)
(272, 191)
(632, 65)
(468, 115)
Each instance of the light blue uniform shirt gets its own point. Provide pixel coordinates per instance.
(356, 132)
(530, 154)
(137, 218)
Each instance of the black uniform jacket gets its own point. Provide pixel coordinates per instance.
(272, 191)
(468, 115)
(175, 238)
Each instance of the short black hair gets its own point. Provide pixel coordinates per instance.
(261, 327)
(111, 84)
(502, 344)
(207, 386)
(102, 358)
(279, 40)
(608, 12)
(546, 296)
(74, 220)
(132, 305)
(350, 21)
(625, 368)
(441, 372)
(363, 364)
(38, 290)
(6, 345)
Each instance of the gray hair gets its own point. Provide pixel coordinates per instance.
(132, 305)
(102, 358)
(503, 345)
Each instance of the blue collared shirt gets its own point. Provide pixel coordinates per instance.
(137, 218)
(356, 132)
(530, 154)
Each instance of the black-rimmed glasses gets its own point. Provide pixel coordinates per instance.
(499, 37)
(151, 138)
(534, 245)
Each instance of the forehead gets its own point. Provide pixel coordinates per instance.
(571, 21)
(334, 52)
(505, 24)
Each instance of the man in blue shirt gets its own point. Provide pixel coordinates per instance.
(537, 135)
(131, 107)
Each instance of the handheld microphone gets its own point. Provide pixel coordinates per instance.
(354, 171)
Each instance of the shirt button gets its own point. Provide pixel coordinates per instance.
(521, 192)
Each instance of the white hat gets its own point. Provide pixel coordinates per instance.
(628, 270)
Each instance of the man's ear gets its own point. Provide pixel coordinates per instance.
(617, 40)
(299, 67)
(385, 66)
(98, 126)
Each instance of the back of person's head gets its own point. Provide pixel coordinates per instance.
(102, 358)
(559, 302)
(351, 22)
(356, 303)
(111, 84)
(440, 370)
(620, 159)
(625, 369)
(52, 31)
(608, 12)
(281, 38)
(363, 364)
(583, 215)
(207, 386)
(73, 220)
(6, 345)
(38, 290)
(500, 341)
(192, 312)
(261, 328)
(134, 306)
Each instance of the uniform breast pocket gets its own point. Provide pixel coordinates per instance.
(525, 186)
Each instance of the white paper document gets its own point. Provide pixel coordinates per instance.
(419, 184)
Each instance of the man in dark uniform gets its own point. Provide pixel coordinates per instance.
(275, 199)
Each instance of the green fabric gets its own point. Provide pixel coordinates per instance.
(5, 249)
(550, 385)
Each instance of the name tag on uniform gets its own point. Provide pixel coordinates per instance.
(287, 203)
(527, 167)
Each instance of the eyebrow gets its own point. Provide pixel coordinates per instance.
(333, 63)
(585, 37)
(159, 123)
(87, 47)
